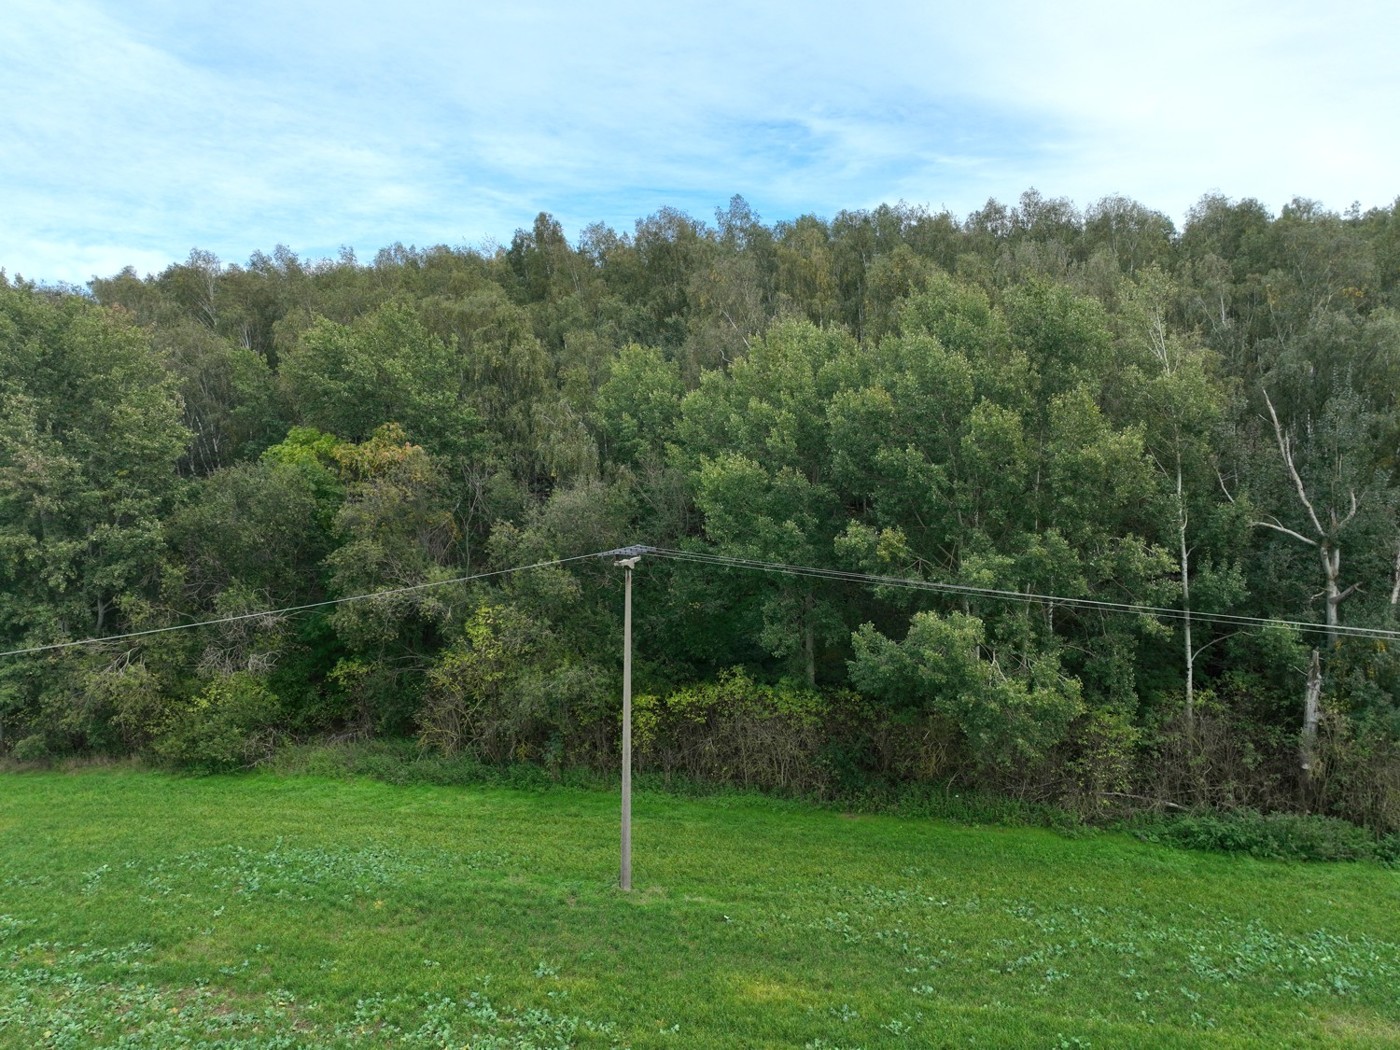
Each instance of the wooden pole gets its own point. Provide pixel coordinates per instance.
(625, 877)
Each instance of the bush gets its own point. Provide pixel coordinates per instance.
(1224, 762)
(1273, 836)
(406, 762)
(472, 700)
(959, 805)
(735, 731)
(228, 726)
(868, 744)
(1360, 772)
(1100, 775)
(32, 748)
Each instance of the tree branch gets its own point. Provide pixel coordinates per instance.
(1217, 638)
(1223, 487)
(1287, 531)
(1285, 449)
(1351, 513)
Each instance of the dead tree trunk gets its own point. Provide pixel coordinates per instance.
(1325, 539)
(809, 641)
(1312, 698)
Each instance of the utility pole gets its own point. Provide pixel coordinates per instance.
(627, 565)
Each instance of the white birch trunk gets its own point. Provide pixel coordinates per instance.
(1312, 702)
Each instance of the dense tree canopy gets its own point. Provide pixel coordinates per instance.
(1042, 414)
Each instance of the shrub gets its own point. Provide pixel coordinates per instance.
(1274, 836)
(32, 748)
(1010, 720)
(1360, 772)
(1100, 775)
(735, 731)
(134, 695)
(471, 700)
(227, 726)
(1224, 761)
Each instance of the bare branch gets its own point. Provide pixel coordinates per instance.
(1223, 487)
(1143, 798)
(1351, 513)
(1217, 638)
(1285, 448)
(1287, 531)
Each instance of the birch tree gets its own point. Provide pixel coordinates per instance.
(1327, 512)
(1184, 403)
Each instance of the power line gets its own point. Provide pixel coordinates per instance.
(810, 571)
(291, 608)
(1024, 597)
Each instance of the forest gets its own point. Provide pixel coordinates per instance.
(1139, 485)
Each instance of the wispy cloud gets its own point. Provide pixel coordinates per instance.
(148, 127)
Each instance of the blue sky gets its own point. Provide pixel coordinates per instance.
(136, 130)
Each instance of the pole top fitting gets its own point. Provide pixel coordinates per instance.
(630, 554)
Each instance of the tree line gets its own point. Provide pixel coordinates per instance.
(1085, 409)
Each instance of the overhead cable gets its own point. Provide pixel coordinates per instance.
(263, 614)
(1025, 597)
(810, 571)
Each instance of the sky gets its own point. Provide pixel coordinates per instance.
(134, 131)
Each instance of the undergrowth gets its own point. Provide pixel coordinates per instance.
(1269, 836)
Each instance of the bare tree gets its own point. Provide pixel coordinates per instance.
(1325, 539)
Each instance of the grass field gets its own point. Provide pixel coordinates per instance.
(144, 910)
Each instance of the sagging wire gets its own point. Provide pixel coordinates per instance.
(1024, 597)
(753, 564)
(287, 610)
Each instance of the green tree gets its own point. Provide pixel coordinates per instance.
(1010, 717)
(90, 435)
(754, 441)
(227, 392)
(637, 405)
(386, 367)
(1185, 406)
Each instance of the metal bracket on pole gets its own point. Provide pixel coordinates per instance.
(631, 553)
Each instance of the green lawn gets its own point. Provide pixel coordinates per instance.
(144, 910)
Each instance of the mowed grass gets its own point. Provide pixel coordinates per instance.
(144, 910)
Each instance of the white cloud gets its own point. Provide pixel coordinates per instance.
(150, 127)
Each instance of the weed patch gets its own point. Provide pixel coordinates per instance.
(1272, 836)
